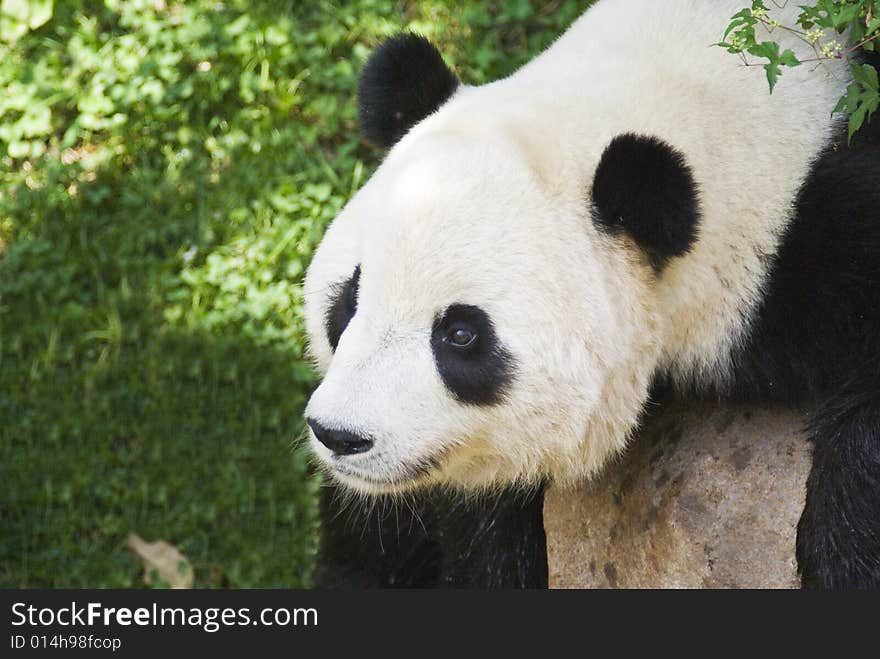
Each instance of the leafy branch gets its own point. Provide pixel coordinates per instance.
(818, 26)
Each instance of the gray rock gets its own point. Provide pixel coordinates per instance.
(705, 497)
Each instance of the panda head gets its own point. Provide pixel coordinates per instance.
(481, 310)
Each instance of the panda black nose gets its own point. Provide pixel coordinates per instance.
(341, 442)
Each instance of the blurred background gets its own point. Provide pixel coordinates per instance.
(167, 170)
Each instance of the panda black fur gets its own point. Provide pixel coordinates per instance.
(404, 81)
(754, 293)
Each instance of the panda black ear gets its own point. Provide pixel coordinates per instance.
(643, 187)
(403, 82)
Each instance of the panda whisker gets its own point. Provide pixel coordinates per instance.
(319, 291)
(409, 501)
(379, 516)
(299, 440)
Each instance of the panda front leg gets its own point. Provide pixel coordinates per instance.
(435, 539)
(838, 538)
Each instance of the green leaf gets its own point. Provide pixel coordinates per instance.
(17, 17)
(856, 119)
(861, 99)
(769, 50)
(788, 58)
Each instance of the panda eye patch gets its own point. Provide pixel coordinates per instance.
(473, 364)
(342, 308)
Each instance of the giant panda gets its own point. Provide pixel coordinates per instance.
(631, 211)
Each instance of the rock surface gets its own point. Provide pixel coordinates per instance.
(706, 497)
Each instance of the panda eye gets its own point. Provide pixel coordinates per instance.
(461, 336)
(472, 363)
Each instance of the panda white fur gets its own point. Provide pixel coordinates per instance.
(630, 210)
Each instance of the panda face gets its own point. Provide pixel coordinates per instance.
(471, 324)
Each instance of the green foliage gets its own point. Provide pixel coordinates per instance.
(861, 98)
(19, 16)
(167, 170)
(858, 19)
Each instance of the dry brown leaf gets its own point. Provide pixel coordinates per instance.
(164, 560)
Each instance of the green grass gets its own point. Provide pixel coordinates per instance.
(166, 173)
